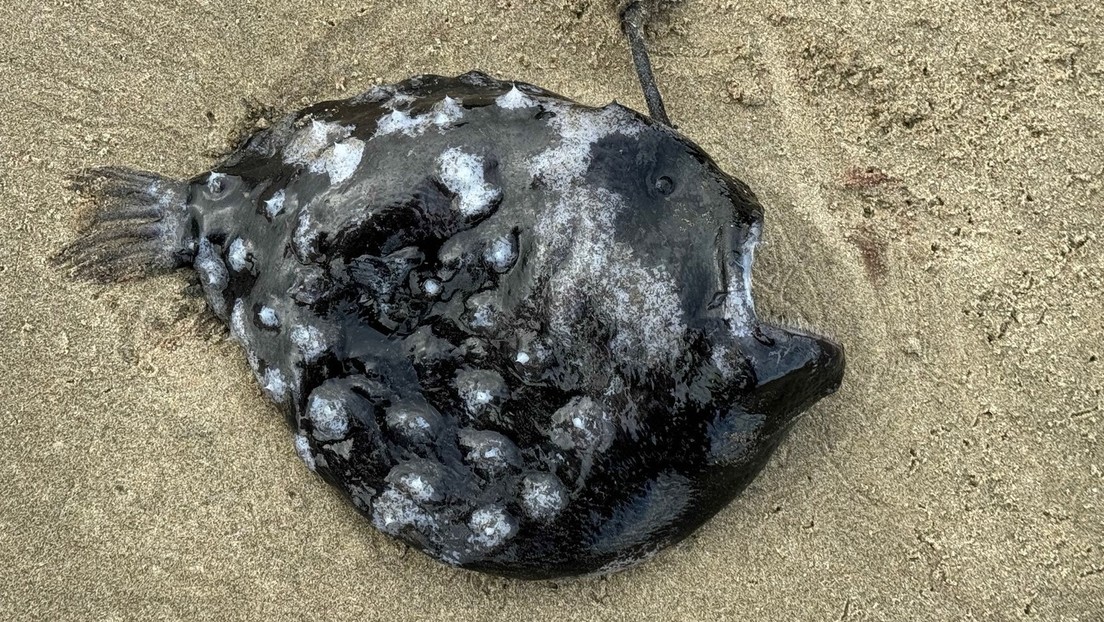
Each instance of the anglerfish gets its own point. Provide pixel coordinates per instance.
(515, 331)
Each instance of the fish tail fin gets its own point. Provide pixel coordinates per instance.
(139, 226)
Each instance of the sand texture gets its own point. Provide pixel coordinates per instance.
(933, 175)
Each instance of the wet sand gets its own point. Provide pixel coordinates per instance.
(932, 174)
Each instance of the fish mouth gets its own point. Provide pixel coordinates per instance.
(794, 364)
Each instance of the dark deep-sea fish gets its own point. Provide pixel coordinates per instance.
(516, 332)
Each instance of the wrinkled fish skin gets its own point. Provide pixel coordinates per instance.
(515, 331)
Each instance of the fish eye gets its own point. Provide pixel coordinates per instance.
(665, 185)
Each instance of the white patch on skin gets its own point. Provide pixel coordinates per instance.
(585, 263)
(739, 306)
(309, 340)
(312, 140)
(719, 357)
(339, 161)
(167, 198)
(275, 205)
(564, 163)
(491, 526)
(213, 275)
(443, 115)
(431, 287)
(462, 173)
(515, 99)
(522, 357)
(329, 418)
(214, 181)
(586, 268)
(543, 496)
(212, 271)
(447, 112)
(238, 254)
(483, 318)
(302, 447)
(274, 384)
(268, 317)
(418, 487)
(480, 388)
(255, 365)
(393, 510)
(396, 122)
(411, 425)
(305, 233)
(237, 321)
(501, 254)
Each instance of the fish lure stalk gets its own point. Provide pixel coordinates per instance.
(633, 18)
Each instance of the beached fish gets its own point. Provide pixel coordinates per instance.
(515, 331)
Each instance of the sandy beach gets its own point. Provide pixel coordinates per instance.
(933, 178)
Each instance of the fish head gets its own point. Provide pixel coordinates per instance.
(685, 216)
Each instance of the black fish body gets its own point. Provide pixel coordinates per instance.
(515, 331)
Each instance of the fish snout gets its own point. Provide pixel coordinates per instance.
(792, 368)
